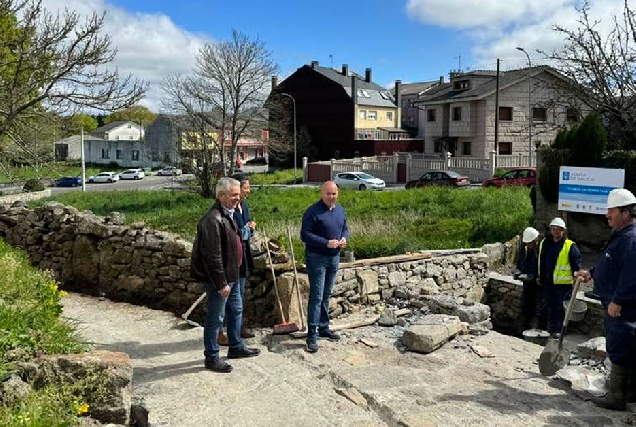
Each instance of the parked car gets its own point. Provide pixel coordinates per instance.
(519, 176)
(445, 177)
(69, 181)
(132, 174)
(169, 171)
(358, 181)
(104, 177)
(256, 161)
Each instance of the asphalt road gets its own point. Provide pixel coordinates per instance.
(147, 183)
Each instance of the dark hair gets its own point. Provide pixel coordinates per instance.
(631, 209)
(241, 177)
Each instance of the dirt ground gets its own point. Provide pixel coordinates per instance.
(366, 379)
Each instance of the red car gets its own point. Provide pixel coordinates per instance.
(519, 176)
(439, 178)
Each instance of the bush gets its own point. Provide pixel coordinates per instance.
(553, 159)
(589, 142)
(33, 185)
(622, 159)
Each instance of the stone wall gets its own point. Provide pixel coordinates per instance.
(101, 256)
(503, 295)
(25, 197)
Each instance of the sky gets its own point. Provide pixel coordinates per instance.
(409, 40)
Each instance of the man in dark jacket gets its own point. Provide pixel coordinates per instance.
(615, 281)
(527, 272)
(217, 255)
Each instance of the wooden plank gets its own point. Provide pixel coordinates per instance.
(386, 260)
(345, 324)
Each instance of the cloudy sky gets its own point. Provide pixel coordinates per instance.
(410, 40)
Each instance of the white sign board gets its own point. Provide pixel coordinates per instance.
(586, 189)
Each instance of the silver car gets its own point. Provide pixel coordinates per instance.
(104, 177)
(132, 174)
(358, 181)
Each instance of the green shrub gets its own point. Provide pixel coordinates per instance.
(622, 159)
(590, 140)
(33, 185)
(553, 159)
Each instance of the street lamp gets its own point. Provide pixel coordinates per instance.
(529, 108)
(294, 104)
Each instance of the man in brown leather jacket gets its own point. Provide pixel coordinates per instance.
(216, 260)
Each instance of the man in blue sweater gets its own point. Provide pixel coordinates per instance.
(324, 231)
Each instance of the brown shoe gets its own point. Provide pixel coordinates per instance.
(246, 333)
(222, 339)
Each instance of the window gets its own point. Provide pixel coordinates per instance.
(105, 153)
(505, 148)
(457, 114)
(525, 173)
(411, 120)
(117, 137)
(573, 115)
(505, 114)
(439, 146)
(362, 93)
(389, 115)
(539, 114)
(166, 156)
(130, 137)
(118, 154)
(362, 114)
(462, 84)
(431, 115)
(385, 95)
(135, 154)
(373, 115)
(466, 148)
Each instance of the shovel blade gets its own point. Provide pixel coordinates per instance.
(553, 358)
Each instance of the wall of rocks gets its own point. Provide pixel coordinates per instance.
(132, 263)
(503, 295)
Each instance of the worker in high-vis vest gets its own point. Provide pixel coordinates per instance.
(526, 271)
(559, 258)
(615, 282)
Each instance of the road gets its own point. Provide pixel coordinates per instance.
(148, 183)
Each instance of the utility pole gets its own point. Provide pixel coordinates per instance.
(83, 161)
(497, 111)
(529, 107)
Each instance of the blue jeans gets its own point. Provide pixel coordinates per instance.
(219, 308)
(322, 270)
(241, 289)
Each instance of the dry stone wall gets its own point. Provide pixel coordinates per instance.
(132, 263)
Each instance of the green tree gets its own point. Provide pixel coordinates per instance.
(589, 141)
(136, 114)
(75, 123)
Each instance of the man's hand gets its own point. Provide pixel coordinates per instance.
(584, 275)
(342, 243)
(225, 291)
(613, 309)
(251, 225)
(333, 244)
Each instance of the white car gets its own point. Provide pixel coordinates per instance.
(132, 174)
(104, 177)
(169, 171)
(358, 181)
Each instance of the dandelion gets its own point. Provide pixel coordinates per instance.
(63, 294)
(53, 287)
(83, 408)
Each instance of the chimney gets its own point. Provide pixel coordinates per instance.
(367, 75)
(441, 80)
(398, 94)
(315, 64)
(345, 70)
(274, 82)
(354, 90)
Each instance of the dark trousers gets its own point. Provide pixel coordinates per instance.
(531, 302)
(620, 340)
(555, 295)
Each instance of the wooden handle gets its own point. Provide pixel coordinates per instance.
(296, 284)
(271, 266)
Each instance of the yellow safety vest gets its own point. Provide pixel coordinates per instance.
(562, 270)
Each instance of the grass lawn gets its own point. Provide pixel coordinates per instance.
(381, 223)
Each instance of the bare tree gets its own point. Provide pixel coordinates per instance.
(603, 67)
(193, 116)
(56, 62)
(236, 75)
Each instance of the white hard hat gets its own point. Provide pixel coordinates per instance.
(558, 222)
(620, 197)
(529, 234)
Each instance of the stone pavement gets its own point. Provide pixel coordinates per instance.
(364, 380)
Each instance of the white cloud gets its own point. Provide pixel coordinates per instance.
(495, 28)
(149, 46)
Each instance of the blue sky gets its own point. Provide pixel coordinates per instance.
(410, 40)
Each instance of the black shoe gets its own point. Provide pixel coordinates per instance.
(312, 345)
(329, 334)
(242, 353)
(217, 365)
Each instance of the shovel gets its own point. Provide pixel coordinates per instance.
(554, 357)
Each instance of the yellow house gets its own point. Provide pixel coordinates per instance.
(191, 140)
